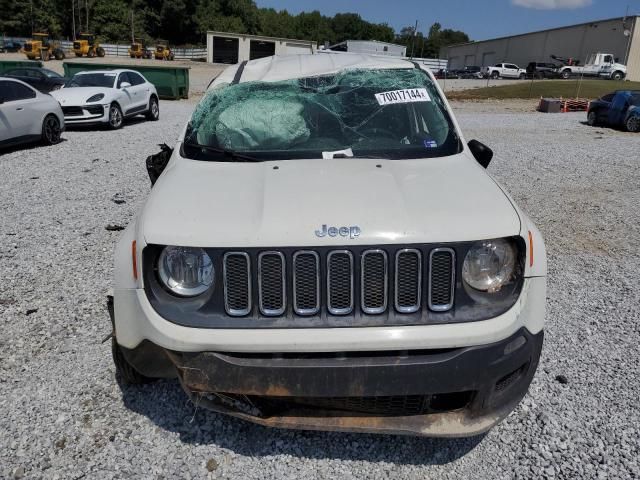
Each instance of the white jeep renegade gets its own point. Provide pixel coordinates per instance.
(325, 251)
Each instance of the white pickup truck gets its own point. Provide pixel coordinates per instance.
(506, 70)
(597, 65)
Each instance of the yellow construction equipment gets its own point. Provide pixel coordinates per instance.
(86, 44)
(163, 52)
(138, 49)
(40, 47)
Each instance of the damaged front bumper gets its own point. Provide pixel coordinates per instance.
(454, 392)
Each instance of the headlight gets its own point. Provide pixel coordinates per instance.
(185, 271)
(489, 265)
(96, 98)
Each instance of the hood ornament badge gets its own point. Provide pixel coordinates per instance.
(347, 232)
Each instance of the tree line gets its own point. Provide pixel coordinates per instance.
(185, 22)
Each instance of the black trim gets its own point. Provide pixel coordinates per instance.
(133, 110)
(238, 75)
(208, 311)
(20, 140)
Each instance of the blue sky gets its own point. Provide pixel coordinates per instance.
(481, 19)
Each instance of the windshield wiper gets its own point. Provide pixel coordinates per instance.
(227, 155)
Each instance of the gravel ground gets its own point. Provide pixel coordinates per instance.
(64, 416)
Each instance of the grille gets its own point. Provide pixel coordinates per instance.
(441, 279)
(72, 111)
(399, 405)
(408, 280)
(373, 281)
(340, 282)
(237, 283)
(306, 283)
(95, 109)
(336, 283)
(271, 283)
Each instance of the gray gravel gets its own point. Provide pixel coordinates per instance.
(63, 415)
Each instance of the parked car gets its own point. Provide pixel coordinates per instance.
(41, 79)
(470, 72)
(310, 258)
(107, 97)
(504, 70)
(542, 70)
(28, 116)
(618, 109)
(10, 47)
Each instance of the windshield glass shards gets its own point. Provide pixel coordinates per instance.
(383, 113)
(92, 80)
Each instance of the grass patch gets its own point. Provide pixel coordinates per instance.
(545, 88)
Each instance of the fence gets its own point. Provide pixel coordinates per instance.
(433, 64)
(122, 50)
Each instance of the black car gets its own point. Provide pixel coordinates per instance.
(470, 72)
(9, 47)
(542, 70)
(41, 79)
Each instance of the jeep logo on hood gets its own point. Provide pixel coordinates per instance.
(350, 232)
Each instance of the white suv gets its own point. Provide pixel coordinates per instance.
(107, 97)
(325, 251)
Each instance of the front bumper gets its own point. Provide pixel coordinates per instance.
(86, 114)
(453, 392)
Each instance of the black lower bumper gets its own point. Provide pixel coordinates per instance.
(446, 392)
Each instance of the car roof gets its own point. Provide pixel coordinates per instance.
(115, 70)
(13, 79)
(276, 68)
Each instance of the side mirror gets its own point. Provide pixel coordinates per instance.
(156, 163)
(125, 85)
(481, 152)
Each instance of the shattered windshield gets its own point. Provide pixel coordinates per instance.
(385, 113)
(92, 80)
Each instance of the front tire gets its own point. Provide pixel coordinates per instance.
(633, 124)
(566, 74)
(100, 52)
(592, 118)
(153, 113)
(617, 76)
(51, 130)
(124, 371)
(523, 76)
(116, 119)
(495, 75)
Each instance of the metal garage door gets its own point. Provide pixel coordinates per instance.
(225, 50)
(488, 59)
(295, 48)
(261, 49)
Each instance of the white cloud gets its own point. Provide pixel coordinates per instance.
(552, 4)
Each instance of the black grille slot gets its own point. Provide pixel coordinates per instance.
(441, 279)
(237, 283)
(306, 283)
(95, 109)
(408, 280)
(271, 283)
(373, 282)
(72, 111)
(340, 282)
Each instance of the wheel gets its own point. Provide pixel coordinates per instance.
(592, 118)
(58, 54)
(565, 74)
(617, 76)
(100, 52)
(51, 130)
(495, 75)
(523, 76)
(124, 371)
(633, 123)
(153, 113)
(91, 53)
(78, 54)
(115, 116)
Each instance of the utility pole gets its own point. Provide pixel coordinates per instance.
(73, 16)
(133, 37)
(86, 9)
(413, 38)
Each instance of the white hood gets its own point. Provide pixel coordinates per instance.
(76, 96)
(215, 204)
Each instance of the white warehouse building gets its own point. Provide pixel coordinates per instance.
(618, 36)
(223, 47)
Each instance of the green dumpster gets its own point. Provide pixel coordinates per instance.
(6, 65)
(171, 82)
